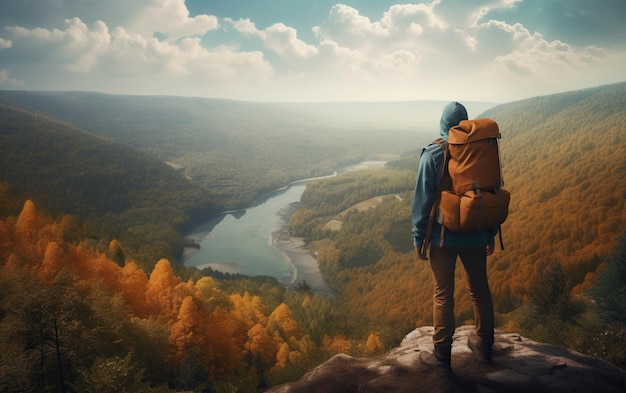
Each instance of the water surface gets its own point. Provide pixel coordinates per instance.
(241, 242)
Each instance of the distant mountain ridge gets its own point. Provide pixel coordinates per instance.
(241, 150)
(82, 108)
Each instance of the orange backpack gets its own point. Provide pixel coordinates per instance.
(470, 196)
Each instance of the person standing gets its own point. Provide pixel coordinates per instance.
(472, 248)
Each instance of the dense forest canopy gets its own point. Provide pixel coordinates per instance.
(567, 174)
(96, 191)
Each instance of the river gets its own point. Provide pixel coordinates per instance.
(246, 241)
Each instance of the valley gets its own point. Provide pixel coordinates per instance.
(96, 206)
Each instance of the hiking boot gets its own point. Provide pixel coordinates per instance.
(443, 355)
(482, 350)
(439, 358)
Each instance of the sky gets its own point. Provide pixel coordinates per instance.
(314, 50)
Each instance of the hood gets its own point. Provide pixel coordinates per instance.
(452, 115)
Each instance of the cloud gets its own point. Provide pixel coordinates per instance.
(525, 54)
(171, 18)
(284, 41)
(450, 46)
(379, 52)
(463, 13)
(281, 39)
(244, 26)
(135, 62)
(347, 27)
(7, 82)
(412, 18)
(4, 44)
(186, 62)
(77, 47)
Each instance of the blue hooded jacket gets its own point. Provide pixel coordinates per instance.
(428, 174)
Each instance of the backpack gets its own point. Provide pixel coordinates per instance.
(470, 196)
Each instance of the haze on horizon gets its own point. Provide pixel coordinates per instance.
(314, 50)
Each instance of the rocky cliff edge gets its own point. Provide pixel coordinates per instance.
(519, 365)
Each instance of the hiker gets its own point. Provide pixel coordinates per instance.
(472, 247)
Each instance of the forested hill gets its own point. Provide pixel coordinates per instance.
(564, 161)
(120, 192)
(241, 150)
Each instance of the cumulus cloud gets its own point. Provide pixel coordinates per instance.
(521, 53)
(388, 50)
(451, 42)
(9, 83)
(280, 38)
(76, 47)
(131, 59)
(412, 18)
(463, 13)
(4, 44)
(284, 41)
(347, 27)
(186, 61)
(244, 26)
(171, 18)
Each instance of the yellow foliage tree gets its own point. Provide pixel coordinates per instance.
(159, 291)
(281, 320)
(133, 283)
(51, 263)
(374, 344)
(261, 343)
(184, 332)
(337, 344)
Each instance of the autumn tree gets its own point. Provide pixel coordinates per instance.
(374, 344)
(184, 332)
(212, 296)
(133, 285)
(281, 320)
(160, 293)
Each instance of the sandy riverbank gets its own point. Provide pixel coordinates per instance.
(303, 262)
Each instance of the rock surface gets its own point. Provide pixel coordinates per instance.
(519, 365)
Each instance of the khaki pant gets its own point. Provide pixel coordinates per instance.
(442, 262)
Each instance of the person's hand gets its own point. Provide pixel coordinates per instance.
(419, 255)
(489, 249)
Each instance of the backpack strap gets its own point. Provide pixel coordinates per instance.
(433, 211)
